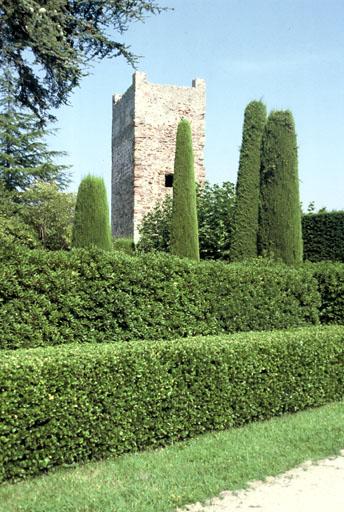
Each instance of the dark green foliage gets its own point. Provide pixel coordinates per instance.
(13, 229)
(50, 43)
(214, 211)
(91, 222)
(330, 278)
(184, 225)
(25, 158)
(62, 297)
(78, 403)
(245, 218)
(323, 236)
(125, 245)
(279, 233)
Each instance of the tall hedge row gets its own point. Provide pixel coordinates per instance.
(245, 217)
(323, 236)
(53, 298)
(81, 402)
(279, 233)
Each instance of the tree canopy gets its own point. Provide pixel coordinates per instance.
(49, 43)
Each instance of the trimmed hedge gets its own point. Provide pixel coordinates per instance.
(330, 278)
(323, 236)
(125, 245)
(81, 402)
(54, 298)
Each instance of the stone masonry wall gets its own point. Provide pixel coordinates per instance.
(156, 113)
(122, 196)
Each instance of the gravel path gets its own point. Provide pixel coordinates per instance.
(311, 487)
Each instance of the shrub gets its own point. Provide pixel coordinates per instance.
(155, 229)
(184, 225)
(323, 236)
(245, 218)
(330, 278)
(279, 233)
(54, 298)
(78, 403)
(91, 221)
(125, 245)
(215, 205)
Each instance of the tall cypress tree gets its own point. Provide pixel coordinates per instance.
(184, 226)
(245, 219)
(279, 233)
(91, 221)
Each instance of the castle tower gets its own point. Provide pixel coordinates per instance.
(144, 128)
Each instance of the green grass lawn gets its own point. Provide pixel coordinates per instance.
(160, 481)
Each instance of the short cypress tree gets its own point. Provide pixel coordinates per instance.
(280, 232)
(91, 222)
(245, 220)
(184, 226)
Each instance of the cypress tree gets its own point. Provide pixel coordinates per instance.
(184, 226)
(279, 233)
(245, 219)
(91, 222)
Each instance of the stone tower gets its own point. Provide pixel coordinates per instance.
(144, 127)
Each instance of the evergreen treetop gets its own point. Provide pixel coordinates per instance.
(91, 221)
(280, 232)
(24, 155)
(184, 226)
(245, 219)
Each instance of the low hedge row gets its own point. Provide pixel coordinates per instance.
(54, 298)
(62, 405)
(323, 236)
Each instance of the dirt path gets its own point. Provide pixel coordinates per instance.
(311, 487)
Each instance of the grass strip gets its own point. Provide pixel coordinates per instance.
(161, 480)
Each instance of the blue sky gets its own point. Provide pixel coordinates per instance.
(289, 53)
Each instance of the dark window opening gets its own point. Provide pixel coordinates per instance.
(169, 180)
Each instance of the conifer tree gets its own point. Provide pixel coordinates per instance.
(184, 226)
(245, 220)
(51, 43)
(91, 221)
(279, 233)
(25, 158)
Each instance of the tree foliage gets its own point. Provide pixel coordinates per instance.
(245, 219)
(50, 213)
(13, 228)
(49, 43)
(24, 155)
(91, 222)
(215, 213)
(215, 205)
(184, 225)
(280, 233)
(42, 216)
